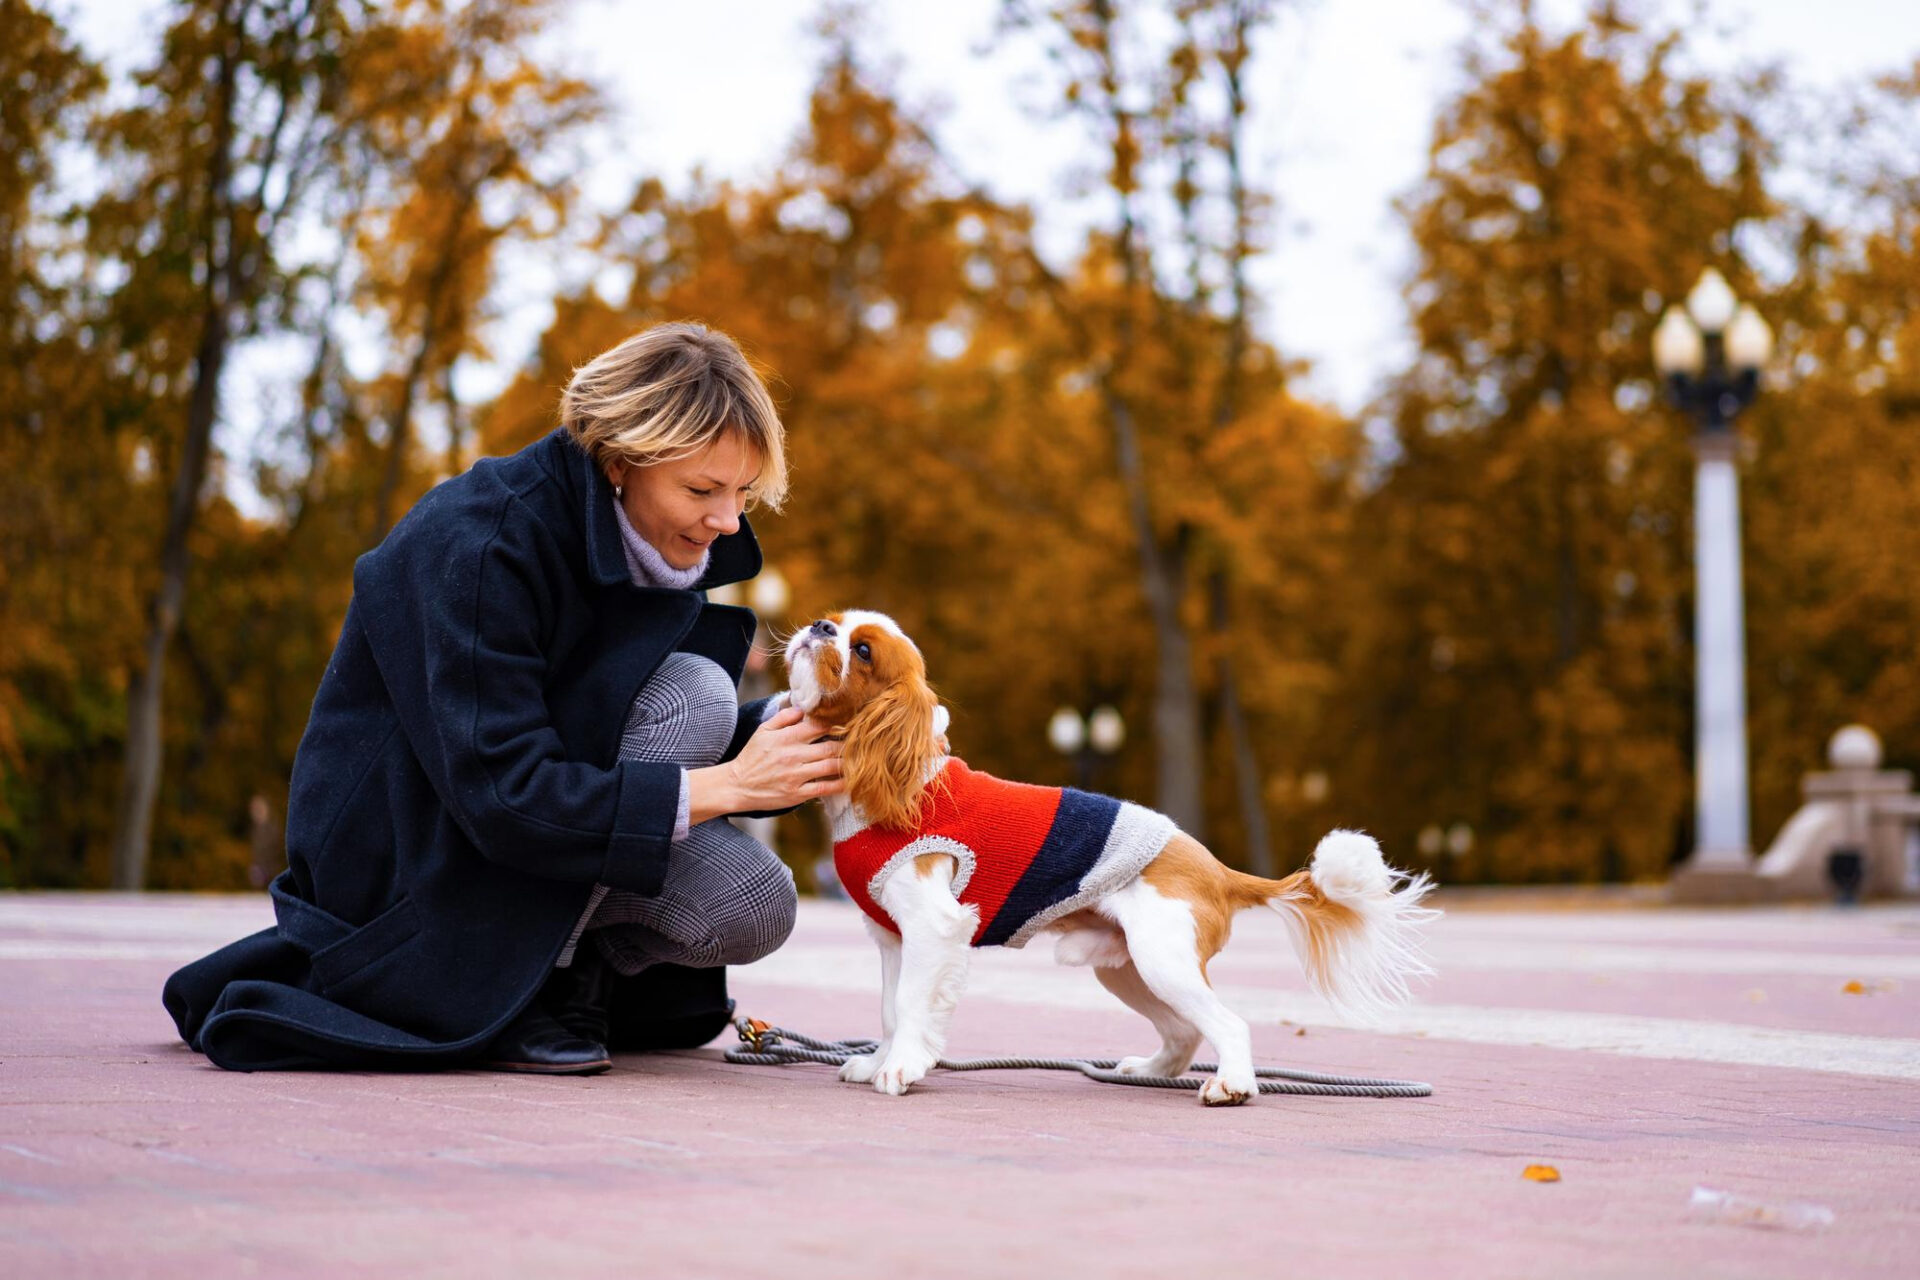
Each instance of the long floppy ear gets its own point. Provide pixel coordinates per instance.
(890, 745)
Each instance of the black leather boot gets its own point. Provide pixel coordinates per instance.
(668, 1007)
(577, 995)
(537, 1044)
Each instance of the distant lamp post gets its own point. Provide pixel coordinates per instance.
(1436, 841)
(1711, 352)
(1098, 735)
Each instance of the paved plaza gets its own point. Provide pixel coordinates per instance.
(1640, 1052)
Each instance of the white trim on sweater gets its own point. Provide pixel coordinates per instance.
(914, 849)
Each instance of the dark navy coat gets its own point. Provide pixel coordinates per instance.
(458, 790)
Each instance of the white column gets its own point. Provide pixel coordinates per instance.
(1720, 662)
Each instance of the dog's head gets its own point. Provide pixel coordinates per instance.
(859, 674)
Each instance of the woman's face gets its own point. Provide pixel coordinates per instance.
(681, 507)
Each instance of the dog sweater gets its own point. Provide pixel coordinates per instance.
(1027, 855)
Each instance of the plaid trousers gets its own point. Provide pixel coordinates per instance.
(727, 898)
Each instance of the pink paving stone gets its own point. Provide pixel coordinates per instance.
(123, 1154)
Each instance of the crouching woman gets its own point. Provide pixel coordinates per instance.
(506, 841)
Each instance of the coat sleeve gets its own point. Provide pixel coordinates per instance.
(482, 637)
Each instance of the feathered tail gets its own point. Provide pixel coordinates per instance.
(1355, 923)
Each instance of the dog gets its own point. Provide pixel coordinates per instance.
(942, 858)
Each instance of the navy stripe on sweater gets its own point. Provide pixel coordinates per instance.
(1073, 845)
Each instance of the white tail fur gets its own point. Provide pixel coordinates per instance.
(1356, 926)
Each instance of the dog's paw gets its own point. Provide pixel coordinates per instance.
(1153, 1066)
(861, 1069)
(901, 1070)
(1219, 1092)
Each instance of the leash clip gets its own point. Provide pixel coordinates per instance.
(754, 1033)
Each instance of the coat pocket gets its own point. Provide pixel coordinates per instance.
(379, 937)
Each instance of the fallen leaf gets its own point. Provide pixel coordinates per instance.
(1300, 1031)
(1540, 1173)
(1855, 988)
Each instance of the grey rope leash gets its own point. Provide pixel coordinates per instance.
(765, 1045)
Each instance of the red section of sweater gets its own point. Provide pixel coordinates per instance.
(1003, 823)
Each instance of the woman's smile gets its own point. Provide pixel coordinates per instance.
(680, 506)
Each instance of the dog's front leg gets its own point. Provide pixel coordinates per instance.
(934, 934)
(861, 1070)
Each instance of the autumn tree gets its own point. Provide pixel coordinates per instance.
(276, 162)
(1520, 659)
(1193, 402)
(56, 450)
(461, 129)
(1832, 472)
(214, 161)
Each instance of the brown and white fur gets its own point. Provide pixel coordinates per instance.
(1354, 920)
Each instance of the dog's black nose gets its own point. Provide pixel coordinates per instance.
(823, 628)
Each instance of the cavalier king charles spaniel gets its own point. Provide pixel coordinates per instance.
(942, 858)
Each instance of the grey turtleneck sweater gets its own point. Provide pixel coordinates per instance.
(646, 566)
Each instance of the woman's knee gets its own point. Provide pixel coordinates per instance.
(761, 918)
(686, 712)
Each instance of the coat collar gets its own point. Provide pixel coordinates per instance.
(736, 556)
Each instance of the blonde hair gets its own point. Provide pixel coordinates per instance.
(669, 392)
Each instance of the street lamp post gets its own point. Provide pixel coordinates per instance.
(1710, 351)
(1087, 740)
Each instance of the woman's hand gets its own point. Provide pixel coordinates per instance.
(784, 763)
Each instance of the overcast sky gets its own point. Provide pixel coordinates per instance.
(1344, 93)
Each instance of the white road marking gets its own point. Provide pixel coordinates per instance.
(1455, 954)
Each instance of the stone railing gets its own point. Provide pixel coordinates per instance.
(1857, 833)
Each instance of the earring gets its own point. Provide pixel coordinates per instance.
(619, 489)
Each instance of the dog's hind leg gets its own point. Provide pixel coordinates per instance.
(1179, 1038)
(1164, 942)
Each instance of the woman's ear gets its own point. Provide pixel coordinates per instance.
(889, 749)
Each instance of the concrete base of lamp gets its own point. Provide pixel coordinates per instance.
(1716, 879)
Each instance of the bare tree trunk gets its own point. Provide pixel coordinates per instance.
(1246, 767)
(140, 786)
(400, 434)
(1179, 759)
(456, 424)
(313, 392)
(1178, 754)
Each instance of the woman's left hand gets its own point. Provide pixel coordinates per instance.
(788, 761)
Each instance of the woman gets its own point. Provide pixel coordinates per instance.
(505, 840)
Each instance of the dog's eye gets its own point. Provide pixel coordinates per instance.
(863, 651)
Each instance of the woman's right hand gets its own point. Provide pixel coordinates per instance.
(787, 761)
